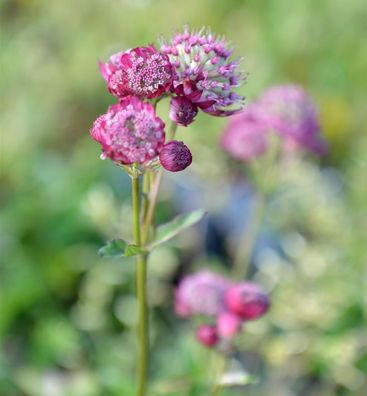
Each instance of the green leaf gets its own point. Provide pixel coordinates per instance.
(119, 248)
(133, 250)
(169, 230)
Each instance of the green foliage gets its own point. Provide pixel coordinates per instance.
(119, 248)
(167, 231)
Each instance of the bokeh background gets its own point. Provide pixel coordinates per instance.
(67, 316)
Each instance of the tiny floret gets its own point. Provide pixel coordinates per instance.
(129, 132)
(182, 111)
(175, 156)
(204, 72)
(143, 72)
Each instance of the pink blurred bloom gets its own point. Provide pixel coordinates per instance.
(182, 111)
(247, 300)
(204, 73)
(129, 132)
(207, 335)
(142, 71)
(228, 324)
(245, 137)
(201, 294)
(290, 112)
(175, 156)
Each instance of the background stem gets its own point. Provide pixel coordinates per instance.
(141, 280)
(248, 238)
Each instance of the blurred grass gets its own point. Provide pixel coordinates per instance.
(66, 315)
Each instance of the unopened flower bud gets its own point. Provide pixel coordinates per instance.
(247, 300)
(228, 324)
(207, 335)
(182, 111)
(175, 156)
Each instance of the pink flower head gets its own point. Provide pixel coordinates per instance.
(207, 335)
(142, 71)
(182, 111)
(204, 73)
(129, 132)
(175, 156)
(290, 112)
(228, 324)
(201, 294)
(245, 137)
(247, 300)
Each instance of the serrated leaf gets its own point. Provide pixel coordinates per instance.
(167, 231)
(119, 248)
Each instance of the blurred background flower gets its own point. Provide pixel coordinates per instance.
(66, 316)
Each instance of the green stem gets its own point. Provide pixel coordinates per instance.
(141, 281)
(248, 238)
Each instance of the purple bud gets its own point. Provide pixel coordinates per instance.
(247, 300)
(182, 111)
(175, 156)
(207, 335)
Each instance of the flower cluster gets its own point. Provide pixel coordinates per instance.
(228, 304)
(285, 110)
(194, 69)
(204, 73)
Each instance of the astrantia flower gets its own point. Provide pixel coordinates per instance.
(201, 294)
(175, 156)
(182, 111)
(142, 71)
(290, 112)
(129, 132)
(247, 300)
(204, 73)
(245, 137)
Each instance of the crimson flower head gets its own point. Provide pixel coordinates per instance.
(290, 112)
(201, 294)
(129, 132)
(203, 71)
(247, 300)
(175, 156)
(245, 137)
(142, 71)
